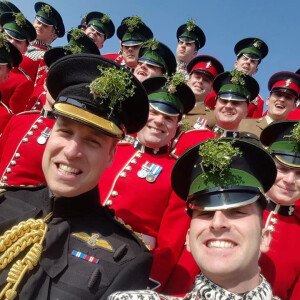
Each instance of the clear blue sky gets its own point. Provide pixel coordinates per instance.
(224, 22)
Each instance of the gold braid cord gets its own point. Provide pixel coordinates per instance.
(12, 243)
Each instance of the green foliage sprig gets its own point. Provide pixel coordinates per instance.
(114, 85)
(105, 19)
(76, 33)
(20, 19)
(47, 9)
(190, 24)
(238, 77)
(257, 43)
(173, 81)
(217, 155)
(4, 42)
(151, 44)
(295, 133)
(133, 23)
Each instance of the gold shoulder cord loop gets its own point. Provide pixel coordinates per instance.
(12, 243)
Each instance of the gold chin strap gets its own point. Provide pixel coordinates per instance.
(12, 243)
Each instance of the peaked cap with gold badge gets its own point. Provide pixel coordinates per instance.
(98, 93)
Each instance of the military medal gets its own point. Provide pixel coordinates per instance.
(42, 139)
(154, 172)
(86, 257)
(200, 123)
(143, 172)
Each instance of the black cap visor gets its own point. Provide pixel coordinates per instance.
(290, 160)
(225, 198)
(166, 108)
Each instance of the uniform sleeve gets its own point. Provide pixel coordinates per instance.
(133, 276)
(295, 293)
(20, 96)
(258, 111)
(170, 239)
(6, 132)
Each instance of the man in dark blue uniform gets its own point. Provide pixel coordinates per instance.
(72, 247)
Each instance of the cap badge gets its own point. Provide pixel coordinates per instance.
(257, 43)
(208, 65)
(288, 82)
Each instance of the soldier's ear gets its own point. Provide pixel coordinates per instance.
(187, 241)
(265, 240)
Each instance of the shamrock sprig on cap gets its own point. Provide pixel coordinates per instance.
(105, 19)
(174, 80)
(190, 24)
(238, 77)
(217, 155)
(133, 23)
(4, 42)
(20, 19)
(295, 133)
(151, 44)
(47, 9)
(114, 85)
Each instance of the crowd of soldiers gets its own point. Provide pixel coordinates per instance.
(141, 175)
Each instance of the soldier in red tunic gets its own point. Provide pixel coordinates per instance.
(249, 52)
(49, 25)
(281, 264)
(10, 57)
(234, 89)
(132, 33)
(24, 139)
(17, 90)
(223, 182)
(138, 186)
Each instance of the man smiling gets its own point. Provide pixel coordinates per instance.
(138, 187)
(225, 200)
(79, 251)
(284, 90)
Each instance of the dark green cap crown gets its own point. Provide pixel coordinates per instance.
(283, 142)
(252, 47)
(236, 85)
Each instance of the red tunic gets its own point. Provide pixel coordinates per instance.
(294, 115)
(190, 139)
(115, 57)
(20, 152)
(281, 264)
(33, 63)
(5, 115)
(17, 90)
(38, 97)
(150, 208)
